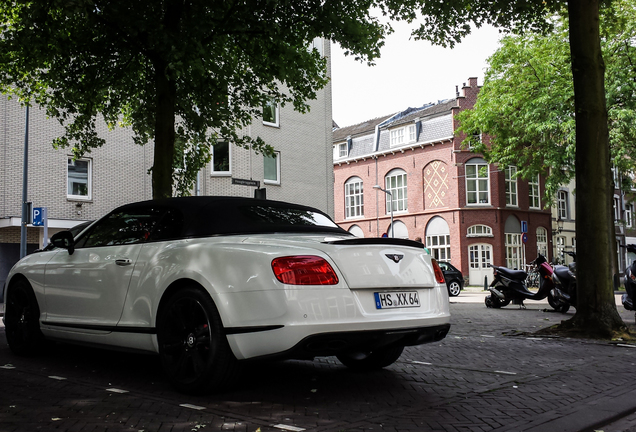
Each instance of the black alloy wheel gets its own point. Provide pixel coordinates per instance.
(194, 351)
(371, 360)
(22, 320)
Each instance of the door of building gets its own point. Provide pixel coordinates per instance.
(479, 256)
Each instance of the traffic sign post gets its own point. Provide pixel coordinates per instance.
(40, 218)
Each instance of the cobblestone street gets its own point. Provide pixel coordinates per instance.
(487, 375)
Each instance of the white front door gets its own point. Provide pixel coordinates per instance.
(479, 256)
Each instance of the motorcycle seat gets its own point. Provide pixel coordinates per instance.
(562, 272)
(512, 274)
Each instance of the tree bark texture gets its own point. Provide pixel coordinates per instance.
(164, 134)
(596, 312)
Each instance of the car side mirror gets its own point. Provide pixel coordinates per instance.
(64, 240)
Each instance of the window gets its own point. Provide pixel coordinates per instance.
(562, 204)
(221, 158)
(342, 150)
(397, 136)
(533, 186)
(475, 139)
(477, 179)
(439, 245)
(617, 209)
(354, 198)
(78, 179)
(479, 231)
(317, 44)
(396, 184)
(271, 169)
(629, 215)
(511, 186)
(542, 241)
(271, 113)
(513, 251)
(412, 135)
(616, 178)
(479, 256)
(560, 246)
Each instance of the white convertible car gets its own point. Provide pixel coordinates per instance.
(207, 282)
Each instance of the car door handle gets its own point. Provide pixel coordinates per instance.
(123, 261)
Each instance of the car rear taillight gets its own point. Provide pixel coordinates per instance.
(304, 270)
(439, 274)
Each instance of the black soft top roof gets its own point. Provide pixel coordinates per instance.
(202, 216)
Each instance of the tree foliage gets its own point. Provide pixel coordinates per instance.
(179, 72)
(527, 101)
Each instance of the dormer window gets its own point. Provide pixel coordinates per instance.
(412, 136)
(342, 150)
(397, 137)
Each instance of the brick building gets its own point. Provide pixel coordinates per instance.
(117, 173)
(467, 211)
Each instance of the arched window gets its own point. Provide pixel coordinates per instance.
(401, 231)
(438, 239)
(479, 231)
(395, 182)
(354, 198)
(356, 231)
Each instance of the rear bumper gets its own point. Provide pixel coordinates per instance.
(330, 344)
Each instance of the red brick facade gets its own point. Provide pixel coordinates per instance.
(436, 186)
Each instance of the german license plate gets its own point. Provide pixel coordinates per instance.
(396, 299)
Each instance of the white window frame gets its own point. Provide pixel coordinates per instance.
(275, 123)
(318, 44)
(229, 152)
(412, 133)
(514, 257)
(534, 192)
(617, 208)
(479, 255)
(629, 215)
(343, 151)
(89, 179)
(478, 181)
(397, 136)
(561, 242)
(354, 198)
(479, 231)
(562, 204)
(511, 187)
(277, 159)
(542, 241)
(439, 246)
(398, 196)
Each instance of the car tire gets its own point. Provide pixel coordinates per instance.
(22, 320)
(454, 288)
(372, 360)
(193, 348)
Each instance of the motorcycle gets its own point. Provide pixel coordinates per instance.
(630, 281)
(509, 285)
(563, 295)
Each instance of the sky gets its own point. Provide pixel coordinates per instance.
(409, 73)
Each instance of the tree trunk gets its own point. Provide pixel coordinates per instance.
(596, 313)
(164, 134)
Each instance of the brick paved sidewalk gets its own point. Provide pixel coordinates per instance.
(487, 375)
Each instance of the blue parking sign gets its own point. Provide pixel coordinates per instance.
(38, 216)
(524, 226)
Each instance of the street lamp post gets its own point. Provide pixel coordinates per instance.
(391, 198)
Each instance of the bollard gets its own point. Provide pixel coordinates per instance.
(485, 283)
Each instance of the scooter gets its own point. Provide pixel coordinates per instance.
(563, 295)
(630, 281)
(508, 285)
